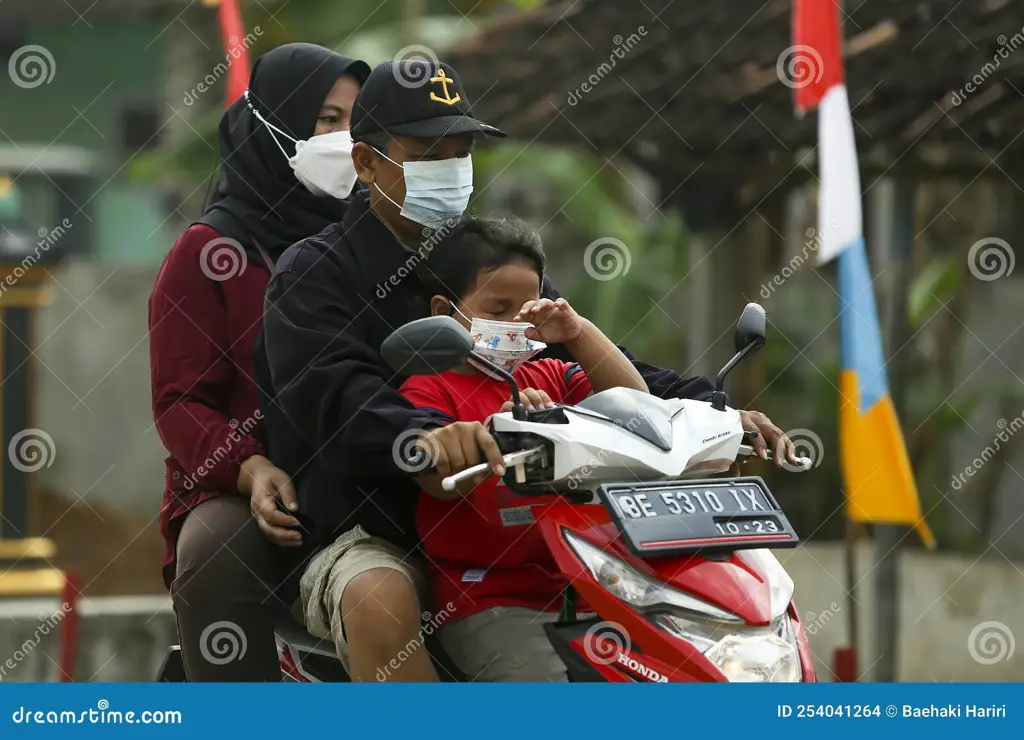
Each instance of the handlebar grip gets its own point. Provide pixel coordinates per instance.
(452, 481)
(510, 460)
(803, 463)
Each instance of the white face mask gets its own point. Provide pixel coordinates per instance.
(323, 164)
(503, 342)
(436, 192)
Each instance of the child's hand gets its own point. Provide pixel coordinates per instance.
(554, 322)
(532, 400)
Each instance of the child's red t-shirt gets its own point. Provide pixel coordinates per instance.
(485, 550)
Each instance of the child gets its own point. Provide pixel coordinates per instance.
(487, 558)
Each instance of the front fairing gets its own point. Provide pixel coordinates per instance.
(736, 582)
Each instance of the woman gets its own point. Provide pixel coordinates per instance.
(285, 164)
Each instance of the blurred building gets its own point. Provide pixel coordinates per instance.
(91, 79)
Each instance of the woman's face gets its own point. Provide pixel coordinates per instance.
(336, 112)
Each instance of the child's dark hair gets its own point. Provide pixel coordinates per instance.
(479, 244)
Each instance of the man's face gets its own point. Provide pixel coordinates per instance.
(387, 177)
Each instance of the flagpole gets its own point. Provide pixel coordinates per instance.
(845, 667)
(892, 215)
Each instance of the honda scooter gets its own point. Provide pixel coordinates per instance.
(676, 566)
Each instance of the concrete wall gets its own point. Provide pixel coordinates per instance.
(120, 639)
(959, 617)
(93, 394)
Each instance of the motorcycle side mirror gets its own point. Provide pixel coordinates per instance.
(751, 331)
(751, 328)
(435, 344)
(427, 346)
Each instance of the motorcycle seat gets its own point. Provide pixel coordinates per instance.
(289, 630)
(638, 413)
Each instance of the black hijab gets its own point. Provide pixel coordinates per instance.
(258, 198)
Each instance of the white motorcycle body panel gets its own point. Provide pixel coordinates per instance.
(593, 449)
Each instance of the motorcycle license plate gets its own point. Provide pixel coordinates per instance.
(685, 517)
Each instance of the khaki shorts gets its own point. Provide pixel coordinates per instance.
(506, 643)
(333, 568)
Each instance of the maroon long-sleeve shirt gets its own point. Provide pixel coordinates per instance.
(205, 315)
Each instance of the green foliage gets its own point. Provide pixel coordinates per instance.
(630, 307)
(931, 288)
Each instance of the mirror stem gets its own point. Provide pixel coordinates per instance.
(518, 410)
(718, 397)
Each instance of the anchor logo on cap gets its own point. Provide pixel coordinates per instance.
(444, 80)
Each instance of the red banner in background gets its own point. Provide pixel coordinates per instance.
(236, 52)
(815, 60)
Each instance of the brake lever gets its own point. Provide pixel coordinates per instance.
(802, 463)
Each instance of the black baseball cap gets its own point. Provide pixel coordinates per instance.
(419, 98)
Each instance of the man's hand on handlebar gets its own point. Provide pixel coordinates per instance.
(769, 437)
(453, 448)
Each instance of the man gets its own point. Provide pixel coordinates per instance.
(333, 300)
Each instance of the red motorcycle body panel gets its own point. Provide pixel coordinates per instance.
(734, 584)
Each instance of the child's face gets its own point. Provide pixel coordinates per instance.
(497, 295)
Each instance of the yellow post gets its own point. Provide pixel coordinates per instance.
(26, 562)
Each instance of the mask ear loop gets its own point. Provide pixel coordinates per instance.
(387, 158)
(387, 197)
(455, 309)
(272, 128)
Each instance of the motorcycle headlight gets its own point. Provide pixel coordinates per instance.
(762, 656)
(626, 583)
(741, 653)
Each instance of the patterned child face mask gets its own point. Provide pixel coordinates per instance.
(503, 342)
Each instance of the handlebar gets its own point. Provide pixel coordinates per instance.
(511, 460)
(522, 456)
